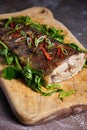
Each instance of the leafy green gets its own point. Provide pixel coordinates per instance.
(4, 51)
(63, 94)
(3, 44)
(8, 22)
(9, 59)
(49, 93)
(53, 86)
(11, 72)
(85, 65)
(18, 66)
(45, 29)
(34, 78)
(76, 47)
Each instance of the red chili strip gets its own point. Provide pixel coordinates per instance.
(15, 35)
(62, 55)
(45, 52)
(12, 24)
(59, 51)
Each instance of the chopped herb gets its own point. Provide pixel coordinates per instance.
(45, 29)
(8, 23)
(64, 51)
(85, 65)
(29, 42)
(23, 33)
(11, 72)
(76, 47)
(63, 94)
(5, 52)
(39, 40)
(3, 44)
(53, 86)
(34, 78)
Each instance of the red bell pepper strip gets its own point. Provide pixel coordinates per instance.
(12, 25)
(16, 34)
(59, 51)
(45, 52)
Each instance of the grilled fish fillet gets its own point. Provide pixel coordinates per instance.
(58, 62)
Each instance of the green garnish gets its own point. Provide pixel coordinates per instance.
(39, 40)
(8, 22)
(85, 65)
(53, 86)
(5, 52)
(45, 29)
(76, 47)
(11, 72)
(34, 78)
(63, 93)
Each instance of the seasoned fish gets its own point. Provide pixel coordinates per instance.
(58, 61)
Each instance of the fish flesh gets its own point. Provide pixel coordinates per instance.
(58, 61)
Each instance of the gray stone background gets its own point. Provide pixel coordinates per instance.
(73, 14)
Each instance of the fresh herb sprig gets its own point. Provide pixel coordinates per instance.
(76, 47)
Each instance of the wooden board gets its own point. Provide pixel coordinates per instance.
(31, 108)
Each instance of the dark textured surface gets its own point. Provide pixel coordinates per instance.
(73, 14)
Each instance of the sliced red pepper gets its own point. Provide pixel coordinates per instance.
(12, 25)
(45, 52)
(62, 55)
(15, 35)
(56, 44)
(59, 51)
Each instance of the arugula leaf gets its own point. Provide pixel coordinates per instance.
(10, 59)
(85, 65)
(52, 32)
(76, 47)
(63, 93)
(49, 93)
(3, 44)
(53, 86)
(34, 78)
(8, 22)
(11, 72)
(45, 29)
(3, 51)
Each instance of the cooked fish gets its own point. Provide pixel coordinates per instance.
(58, 61)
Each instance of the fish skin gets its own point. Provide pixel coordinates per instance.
(36, 57)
